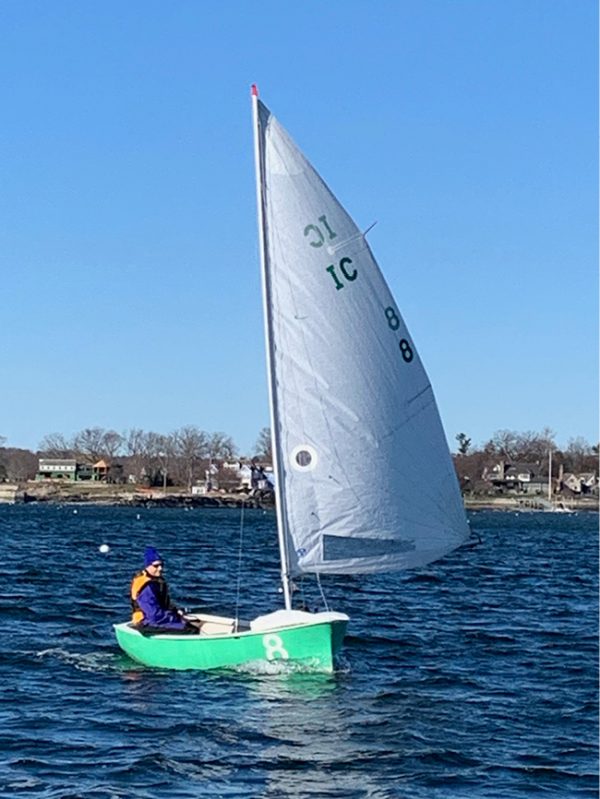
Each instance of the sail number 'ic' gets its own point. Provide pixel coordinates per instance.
(317, 236)
(394, 323)
(315, 231)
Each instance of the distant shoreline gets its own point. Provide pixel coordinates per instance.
(134, 496)
(118, 495)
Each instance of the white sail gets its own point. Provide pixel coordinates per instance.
(367, 483)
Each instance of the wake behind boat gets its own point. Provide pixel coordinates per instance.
(348, 396)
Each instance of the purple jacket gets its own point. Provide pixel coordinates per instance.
(156, 606)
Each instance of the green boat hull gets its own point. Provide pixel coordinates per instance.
(309, 645)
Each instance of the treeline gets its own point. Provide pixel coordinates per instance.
(181, 457)
(513, 447)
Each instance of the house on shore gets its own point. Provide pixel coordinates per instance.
(57, 469)
(71, 470)
(518, 478)
(579, 485)
(532, 479)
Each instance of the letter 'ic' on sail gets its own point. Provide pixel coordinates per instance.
(366, 481)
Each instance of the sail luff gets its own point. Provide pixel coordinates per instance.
(270, 356)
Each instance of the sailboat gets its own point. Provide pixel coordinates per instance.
(364, 479)
(550, 506)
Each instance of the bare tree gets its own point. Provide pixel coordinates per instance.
(134, 441)
(534, 447)
(527, 446)
(263, 446)
(88, 443)
(220, 446)
(18, 464)
(470, 469)
(134, 445)
(547, 437)
(578, 453)
(160, 453)
(55, 445)
(112, 444)
(191, 445)
(95, 443)
(505, 444)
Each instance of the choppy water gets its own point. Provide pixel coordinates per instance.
(474, 677)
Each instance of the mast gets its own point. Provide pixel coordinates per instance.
(270, 351)
(550, 474)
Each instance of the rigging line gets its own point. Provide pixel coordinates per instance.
(239, 569)
(304, 602)
(323, 597)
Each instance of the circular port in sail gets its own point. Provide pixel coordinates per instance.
(303, 458)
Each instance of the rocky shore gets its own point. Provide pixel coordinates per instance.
(136, 496)
(133, 496)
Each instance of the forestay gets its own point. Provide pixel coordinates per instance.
(367, 483)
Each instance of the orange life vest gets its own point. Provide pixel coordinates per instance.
(140, 581)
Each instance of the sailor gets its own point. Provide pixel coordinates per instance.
(151, 606)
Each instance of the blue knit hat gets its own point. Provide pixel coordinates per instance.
(151, 555)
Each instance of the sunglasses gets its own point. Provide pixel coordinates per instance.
(157, 565)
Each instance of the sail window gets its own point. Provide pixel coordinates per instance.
(303, 458)
(337, 547)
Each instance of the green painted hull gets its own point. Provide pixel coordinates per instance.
(310, 645)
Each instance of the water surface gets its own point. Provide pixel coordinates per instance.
(474, 677)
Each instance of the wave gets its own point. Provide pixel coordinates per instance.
(86, 661)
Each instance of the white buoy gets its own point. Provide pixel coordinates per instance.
(138, 517)
(104, 548)
(74, 511)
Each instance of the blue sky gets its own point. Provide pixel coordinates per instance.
(130, 293)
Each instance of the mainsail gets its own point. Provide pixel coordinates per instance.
(365, 479)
